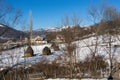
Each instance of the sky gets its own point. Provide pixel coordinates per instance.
(49, 13)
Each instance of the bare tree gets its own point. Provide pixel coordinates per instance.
(93, 11)
(65, 21)
(30, 24)
(69, 34)
(10, 18)
(109, 18)
(8, 15)
(76, 20)
(17, 16)
(5, 9)
(100, 17)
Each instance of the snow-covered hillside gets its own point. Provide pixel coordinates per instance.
(87, 46)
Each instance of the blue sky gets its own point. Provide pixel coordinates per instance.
(49, 13)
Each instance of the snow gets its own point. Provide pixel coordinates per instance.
(87, 46)
(84, 48)
(15, 56)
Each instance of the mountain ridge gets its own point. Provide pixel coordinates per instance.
(10, 33)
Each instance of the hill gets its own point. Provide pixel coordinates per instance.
(7, 32)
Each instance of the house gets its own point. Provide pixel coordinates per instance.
(38, 40)
(88, 28)
(59, 38)
(35, 40)
(9, 45)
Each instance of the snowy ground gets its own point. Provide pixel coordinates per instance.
(15, 56)
(11, 57)
(87, 46)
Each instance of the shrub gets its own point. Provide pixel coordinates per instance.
(55, 47)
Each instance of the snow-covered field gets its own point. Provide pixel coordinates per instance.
(15, 56)
(84, 48)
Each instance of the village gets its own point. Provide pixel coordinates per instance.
(11, 44)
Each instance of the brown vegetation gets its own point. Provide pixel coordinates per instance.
(55, 46)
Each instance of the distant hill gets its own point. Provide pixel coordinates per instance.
(7, 32)
(42, 31)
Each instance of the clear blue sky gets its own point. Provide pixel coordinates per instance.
(48, 13)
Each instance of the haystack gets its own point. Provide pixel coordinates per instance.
(29, 52)
(46, 51)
